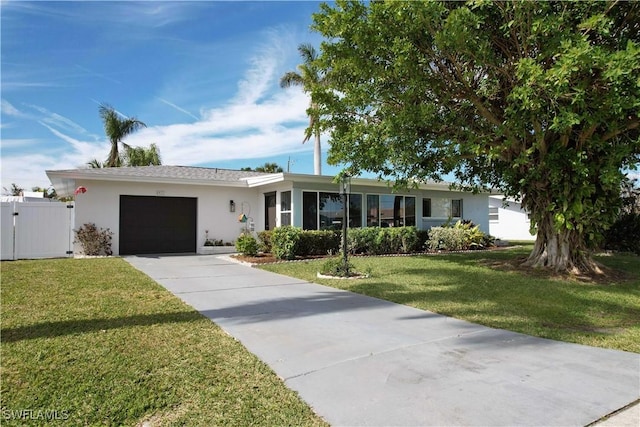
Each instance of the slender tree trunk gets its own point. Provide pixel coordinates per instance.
(114, 156)
(317, 156)
(562, 251)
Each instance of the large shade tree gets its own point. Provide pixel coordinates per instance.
(116, 128)
(309, 78)
(539, 99)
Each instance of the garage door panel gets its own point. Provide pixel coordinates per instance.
(157, 224)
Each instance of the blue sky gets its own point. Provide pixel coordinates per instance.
(203, 76)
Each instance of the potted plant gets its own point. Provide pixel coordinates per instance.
(215, 246)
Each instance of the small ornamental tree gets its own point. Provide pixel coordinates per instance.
(538, 99)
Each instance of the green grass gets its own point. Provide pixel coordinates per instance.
(95, 342)
(486, 288)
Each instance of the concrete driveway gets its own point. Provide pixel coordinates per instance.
(361, 361)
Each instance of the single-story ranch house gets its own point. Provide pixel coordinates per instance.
(171, 209)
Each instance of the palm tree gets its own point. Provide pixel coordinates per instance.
(308, 77)
(270, 168)
(141, 156)
(95, 164)
(116, 129)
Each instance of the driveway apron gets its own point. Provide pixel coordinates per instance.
(361, 361)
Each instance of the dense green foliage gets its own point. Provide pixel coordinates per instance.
(539, 99)
(337, 268)
(319, 242)
(624, 234)
(264, 241)
(384, 240)
(246, 244)
(284, 242)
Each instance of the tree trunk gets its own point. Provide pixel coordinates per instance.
(317, 156)
(562, 251)
(114, 156)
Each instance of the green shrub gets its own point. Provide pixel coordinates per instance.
(362, 240)
(624, 234)
(94, 241)
(284, 241)
(379, 241)
(319, 242)
(447, 238)
(247, 245)
(462, 235)
(336, 267)
(423, 239)
(265, 240)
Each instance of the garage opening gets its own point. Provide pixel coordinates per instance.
(154, 225)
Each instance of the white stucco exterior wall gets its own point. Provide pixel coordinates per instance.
(512, 223)
(101, 205)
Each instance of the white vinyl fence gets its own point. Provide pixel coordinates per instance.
(36, 230)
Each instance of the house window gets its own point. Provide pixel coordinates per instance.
(410, 211)
(373, 210)
(355, 210)
(426, 208)
(330, 211)
(310, 210)
(324, 211)
(456, 208)
(285, 208)
(388, 210)
(494, 214)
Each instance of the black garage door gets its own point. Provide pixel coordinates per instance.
(155, 225)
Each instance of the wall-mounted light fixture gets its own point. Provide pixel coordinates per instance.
(232, 206)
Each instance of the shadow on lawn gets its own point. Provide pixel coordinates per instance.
(79, 326)
(510, 299)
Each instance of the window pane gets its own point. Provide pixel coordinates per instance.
(398, 211)
(426, 208)
(494, 214)
(409, 211)
(330, 211)
(355, 210)
(285, 219)
(285, 201)
(456, 208)
(440, 207)
(386, 210)
(373, 211)
(309, 210)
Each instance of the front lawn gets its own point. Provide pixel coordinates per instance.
(95, 342)
(488, 288)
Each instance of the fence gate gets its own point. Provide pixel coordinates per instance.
(37, 230)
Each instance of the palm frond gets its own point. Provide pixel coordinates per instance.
(291, 78)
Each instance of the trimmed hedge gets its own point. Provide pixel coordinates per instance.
(381, 241)
(285, 242)
(321, 242)
(290, 242)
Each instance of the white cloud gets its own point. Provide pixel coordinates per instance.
(182, 110)
(260, 120)
(55, 119)
(10, 110)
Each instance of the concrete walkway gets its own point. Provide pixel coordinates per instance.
(361, 361)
